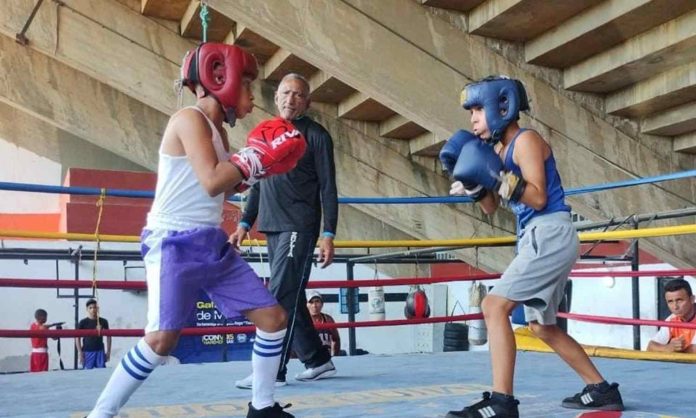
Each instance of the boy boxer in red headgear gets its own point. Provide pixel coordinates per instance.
(183, 246)
(522, 172)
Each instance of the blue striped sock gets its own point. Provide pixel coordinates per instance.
(265, 360)
(130, 373)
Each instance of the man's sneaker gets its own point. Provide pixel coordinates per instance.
(275, 411)
(247, 382)
(592, 398)
(315, 373)
(487, 408)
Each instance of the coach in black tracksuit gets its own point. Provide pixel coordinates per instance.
(290, 208)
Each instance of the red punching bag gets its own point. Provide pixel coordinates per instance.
(417, 304)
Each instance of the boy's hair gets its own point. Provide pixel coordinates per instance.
(678, 284)
(90, 302)
(40, 313)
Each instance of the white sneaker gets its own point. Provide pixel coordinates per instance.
(315, 373)
(248, 381)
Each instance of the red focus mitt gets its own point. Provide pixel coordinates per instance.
(273, 147)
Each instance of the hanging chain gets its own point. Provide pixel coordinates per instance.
(205, 19)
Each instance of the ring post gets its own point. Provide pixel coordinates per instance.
(76, 259)
(351, 312)
(635, 289)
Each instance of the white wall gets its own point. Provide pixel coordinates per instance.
(22, 166)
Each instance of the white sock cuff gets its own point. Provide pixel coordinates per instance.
(149, 354)
(278, 335)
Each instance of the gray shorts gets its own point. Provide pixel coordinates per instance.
(547, 250)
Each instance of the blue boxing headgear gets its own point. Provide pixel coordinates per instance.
(502, 99)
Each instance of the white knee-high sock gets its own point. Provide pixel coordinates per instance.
(130, 373)
(265, 360)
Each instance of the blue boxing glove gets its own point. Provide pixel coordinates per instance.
(479, 164)
(448, 157)
(452, 148)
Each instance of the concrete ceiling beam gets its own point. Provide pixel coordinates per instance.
(426, 144)
(74, 102)
(646, 55)
(29, 132)
(599, 28)
(672, 88)
(331, 36)
(164, 9)
(244, 37)
(685, 143)
(551, 111)
(521, 20)
(359, 106)
(325, 88)
(136, 65)
(398, 127)
(284, 62)
(458, 5)
(675, 121)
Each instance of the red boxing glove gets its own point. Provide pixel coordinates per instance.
(273, 147)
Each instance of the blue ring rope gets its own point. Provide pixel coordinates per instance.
(146, 194)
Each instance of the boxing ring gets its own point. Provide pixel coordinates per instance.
(398, 385)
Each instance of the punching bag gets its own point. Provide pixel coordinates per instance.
(375, 296)
(417, 304)
(478, 334)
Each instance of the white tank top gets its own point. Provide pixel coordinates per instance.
(181, 202)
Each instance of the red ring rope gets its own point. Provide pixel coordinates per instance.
(625, 321)
(68, 333)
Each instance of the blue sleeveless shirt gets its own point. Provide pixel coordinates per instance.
(555, 201)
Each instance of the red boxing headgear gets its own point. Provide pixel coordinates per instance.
(219, 68)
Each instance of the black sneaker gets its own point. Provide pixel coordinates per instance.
(275, 411)
(487, 408)
(592, 398)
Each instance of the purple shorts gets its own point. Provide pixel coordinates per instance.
(179, 264)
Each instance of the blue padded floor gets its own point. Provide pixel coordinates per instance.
(409, 385)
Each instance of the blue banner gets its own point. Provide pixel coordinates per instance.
(213, 348)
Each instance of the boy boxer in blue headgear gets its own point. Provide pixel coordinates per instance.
(501, 161)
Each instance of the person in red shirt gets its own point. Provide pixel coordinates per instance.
(328, 337)
(39, 346)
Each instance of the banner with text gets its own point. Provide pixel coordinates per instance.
(214, 347)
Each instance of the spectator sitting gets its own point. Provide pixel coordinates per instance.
(680, 300)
